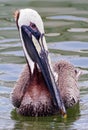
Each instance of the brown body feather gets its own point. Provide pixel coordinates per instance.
(67, 81)
(31, 96)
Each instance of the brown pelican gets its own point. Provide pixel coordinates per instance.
(42, 89)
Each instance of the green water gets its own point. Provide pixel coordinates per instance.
(66, 30)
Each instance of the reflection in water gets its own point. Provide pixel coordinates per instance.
(66, 26)
(52, 122)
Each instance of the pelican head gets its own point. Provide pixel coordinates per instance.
(31, 29)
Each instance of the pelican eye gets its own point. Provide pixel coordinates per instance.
(32, 25)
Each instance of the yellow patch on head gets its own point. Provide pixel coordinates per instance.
(16, 16)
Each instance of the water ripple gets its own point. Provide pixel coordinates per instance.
(78, 30)
(69, 45)
(8, 40)
(68, 17)
(8, 28)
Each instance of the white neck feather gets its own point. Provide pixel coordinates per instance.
(27, 16)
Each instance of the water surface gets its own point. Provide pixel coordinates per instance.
(66, 30)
